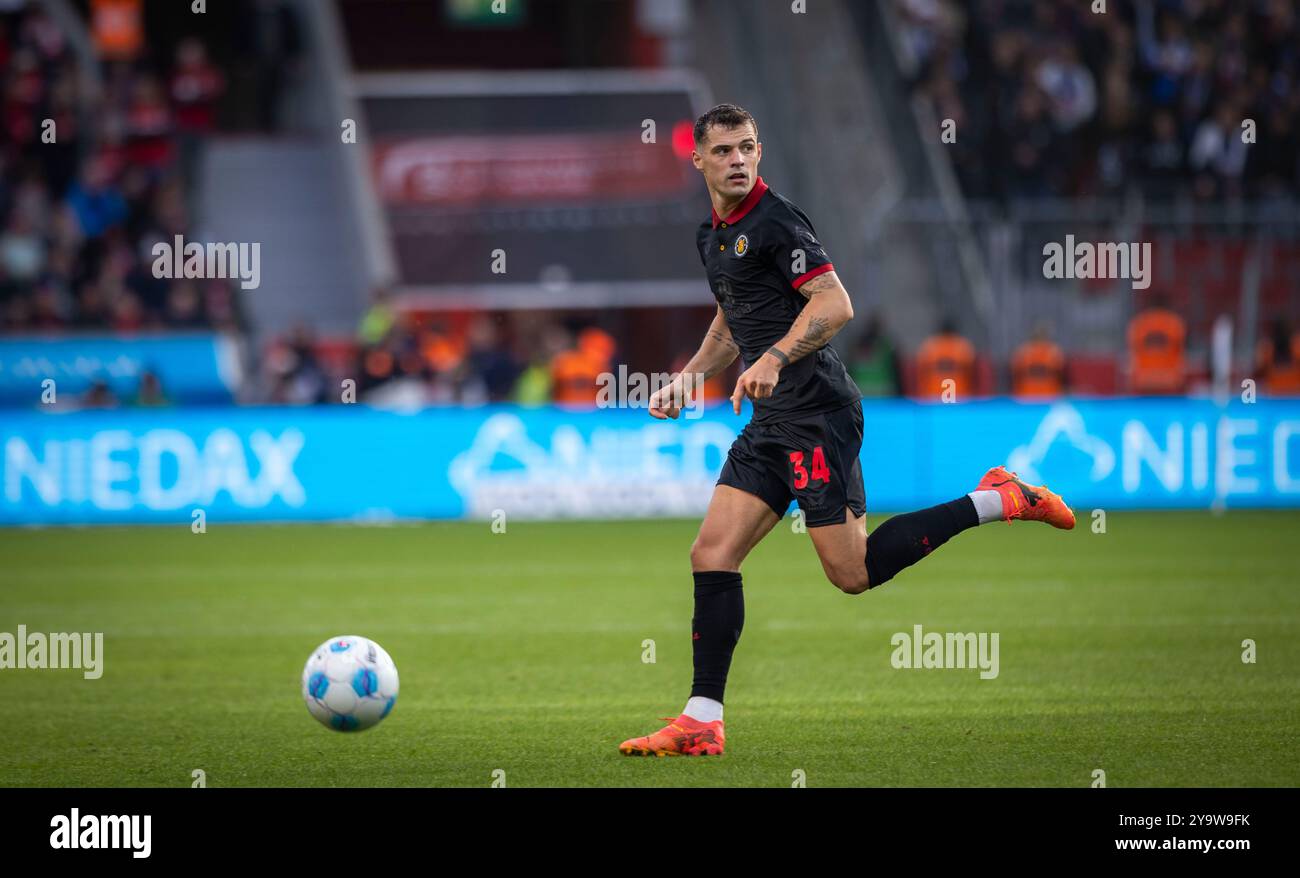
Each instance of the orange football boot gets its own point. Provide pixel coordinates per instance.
(682, 736)
(1026, 502)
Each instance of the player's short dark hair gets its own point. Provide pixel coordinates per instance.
(724, 116)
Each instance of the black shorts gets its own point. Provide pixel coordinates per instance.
(813, 459)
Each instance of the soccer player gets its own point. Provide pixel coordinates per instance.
(779, 303)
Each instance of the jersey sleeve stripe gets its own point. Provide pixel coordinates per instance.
(809, 275)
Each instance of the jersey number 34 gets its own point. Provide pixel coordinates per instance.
(820, 472)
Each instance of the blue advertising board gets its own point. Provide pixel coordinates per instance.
(350, 462)
(194, 368)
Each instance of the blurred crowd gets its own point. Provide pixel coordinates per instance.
(95, 168)
(1050, 98)
(1053, 99)
(404, 357)
(947, 366)
(407, 358)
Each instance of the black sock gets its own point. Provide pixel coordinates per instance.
(715, 630)
(905, 539)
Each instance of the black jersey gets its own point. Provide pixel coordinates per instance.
(756, 260)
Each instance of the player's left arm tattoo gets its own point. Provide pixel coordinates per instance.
(724, 338)
(827, 311)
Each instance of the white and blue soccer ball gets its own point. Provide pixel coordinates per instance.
(349, 683)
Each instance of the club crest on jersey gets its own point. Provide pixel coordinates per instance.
(742, 245)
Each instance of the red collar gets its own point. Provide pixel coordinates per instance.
(746, 206)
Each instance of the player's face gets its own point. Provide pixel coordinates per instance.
(729, 159)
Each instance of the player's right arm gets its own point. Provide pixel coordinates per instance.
(718, 351)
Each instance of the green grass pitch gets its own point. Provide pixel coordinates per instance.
(523, 652)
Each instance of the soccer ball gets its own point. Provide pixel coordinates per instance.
(349, 683)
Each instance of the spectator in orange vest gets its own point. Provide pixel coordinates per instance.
(1038, 367)
(574, 372)
(1277, 361)
(942, 357)
(117, 27)
(1157, 354)
(597, 345)
(443, 349)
